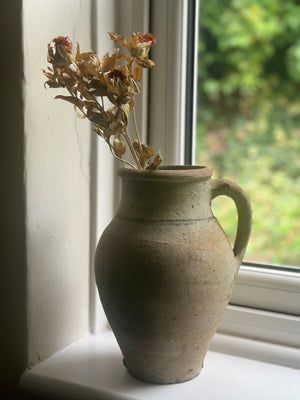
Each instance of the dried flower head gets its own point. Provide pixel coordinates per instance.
(88, 63)
(89, 80)
(60, 51)
(148, 38)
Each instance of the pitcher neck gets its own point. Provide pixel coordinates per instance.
(169, 194)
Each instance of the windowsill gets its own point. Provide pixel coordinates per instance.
(92, 369)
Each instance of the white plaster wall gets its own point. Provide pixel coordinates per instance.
(70, 175)
(57, 178)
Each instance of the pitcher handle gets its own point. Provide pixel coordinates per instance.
(231, 189)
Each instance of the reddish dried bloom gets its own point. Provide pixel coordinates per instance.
(117, 73)
(147, 38)
(60, 51)
(139, 46)
(64, 40)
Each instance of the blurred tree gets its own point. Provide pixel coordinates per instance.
(248, 49)
(249, 113)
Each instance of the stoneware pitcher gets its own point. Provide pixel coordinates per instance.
(165, 269)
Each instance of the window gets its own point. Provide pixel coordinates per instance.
(264, 304)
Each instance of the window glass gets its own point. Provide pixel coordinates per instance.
(248, 117)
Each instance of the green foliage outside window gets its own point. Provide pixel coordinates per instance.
(249, 113)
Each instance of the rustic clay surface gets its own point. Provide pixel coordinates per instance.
(165, 270)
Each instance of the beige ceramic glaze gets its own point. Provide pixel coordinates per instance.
(165, 269)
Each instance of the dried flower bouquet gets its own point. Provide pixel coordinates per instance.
(89, 80)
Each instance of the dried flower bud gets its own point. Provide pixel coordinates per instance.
(119, 81)
(117, 73)
(139, 44)
(88, 63)
(60, 52)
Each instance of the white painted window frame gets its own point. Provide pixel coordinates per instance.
(266, 300)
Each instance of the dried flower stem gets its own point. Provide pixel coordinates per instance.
(119, 158)
(135, 126)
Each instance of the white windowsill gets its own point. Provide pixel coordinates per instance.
(92, 369)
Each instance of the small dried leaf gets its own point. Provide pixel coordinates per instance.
(121, 119)
(121, 40)
(136, 86)
(137, 147)
(137, 73)
(69, 81)
(52, 84)
(108, 63)
(66, 77)
(145, 62)
(89, 65)
(71, 99)
(122, 56)
(77, 50)
(49, 75)
(99, 118)
(147, 151)
(84, 56)
(90, 106)
(133, 40)
(144, 152)
(125, 108)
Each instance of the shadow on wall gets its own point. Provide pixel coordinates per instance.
(13, 324)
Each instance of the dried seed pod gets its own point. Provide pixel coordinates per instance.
(155, 163)
(119, 146)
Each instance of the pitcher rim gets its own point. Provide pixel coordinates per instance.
(169, 172)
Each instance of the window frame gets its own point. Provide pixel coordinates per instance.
(259, 288)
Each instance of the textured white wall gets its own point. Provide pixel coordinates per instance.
(57, 178)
